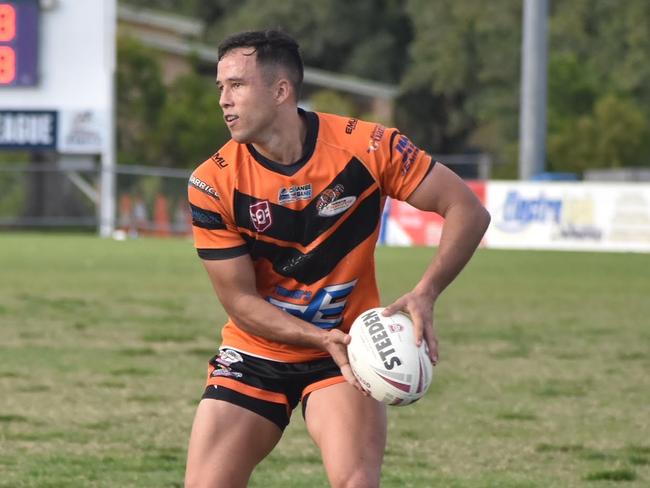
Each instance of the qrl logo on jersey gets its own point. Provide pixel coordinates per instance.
(260, 213)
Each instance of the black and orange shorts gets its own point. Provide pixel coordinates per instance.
(269, 388)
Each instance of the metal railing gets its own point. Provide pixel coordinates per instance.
(149, 200)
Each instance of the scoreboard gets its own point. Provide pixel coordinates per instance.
(19, 27)
(57, 66)
(57, 61)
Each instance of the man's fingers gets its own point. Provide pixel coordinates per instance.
(339, 337)
(346, 370)
(343, 339)
(417, 324)
(392, 308)
(432, 343)
(340, 356)
(388, 311)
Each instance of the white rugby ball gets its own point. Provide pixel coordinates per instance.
(385, 359)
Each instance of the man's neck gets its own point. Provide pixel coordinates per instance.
(285, 142)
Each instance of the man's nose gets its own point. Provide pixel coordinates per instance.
(224, 99)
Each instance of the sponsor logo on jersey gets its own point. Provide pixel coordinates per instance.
(325, 309)
(329, 195)
(203, 186)
(228, 356)
(375, 137)
(260, 213)
(295, 294)
(337, 206)
(294, 193)
(223, 360)
(330, 204)
(218, 160)
(408, 151)
(206, 219)
(227, 373)
(350, 126)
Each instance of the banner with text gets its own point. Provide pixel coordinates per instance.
(580, 216)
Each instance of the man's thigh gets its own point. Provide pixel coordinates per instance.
(350, 430)
(226, 443)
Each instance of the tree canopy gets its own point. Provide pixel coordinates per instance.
(457, 65)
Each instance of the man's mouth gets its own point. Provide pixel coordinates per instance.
(230, 118)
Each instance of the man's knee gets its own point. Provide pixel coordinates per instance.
(222, 432)
(222, 478)
(192, 480)
(361, 477)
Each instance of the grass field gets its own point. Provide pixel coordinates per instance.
(544, 378)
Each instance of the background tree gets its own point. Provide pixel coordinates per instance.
(140, 100)
(191, 126)
(457, 63)
(366, 38)
(599, 85)
(459, 93)
(179, 125)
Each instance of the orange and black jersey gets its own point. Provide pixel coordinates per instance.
(310, 227)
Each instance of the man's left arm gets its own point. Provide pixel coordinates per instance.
(466, 221)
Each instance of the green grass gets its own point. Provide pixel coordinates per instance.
(544, 377)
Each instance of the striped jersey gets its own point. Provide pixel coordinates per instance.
(310, 227)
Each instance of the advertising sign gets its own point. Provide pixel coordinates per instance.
(82, 131)
(578, 216)
(28, 129)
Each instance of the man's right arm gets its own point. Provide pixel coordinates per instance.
(234, 282)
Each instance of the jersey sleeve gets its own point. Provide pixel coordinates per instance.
(213, 228)
(401, 165)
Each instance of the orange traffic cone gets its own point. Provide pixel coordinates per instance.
(124, 220)
(162, 225)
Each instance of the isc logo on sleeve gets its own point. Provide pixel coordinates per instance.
(408, 151)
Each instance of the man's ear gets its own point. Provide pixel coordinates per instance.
(282, 90)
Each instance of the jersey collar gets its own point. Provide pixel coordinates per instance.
(310, 145)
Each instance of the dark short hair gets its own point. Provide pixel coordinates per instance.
(274, 49)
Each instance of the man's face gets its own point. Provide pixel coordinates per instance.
(246, 97)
